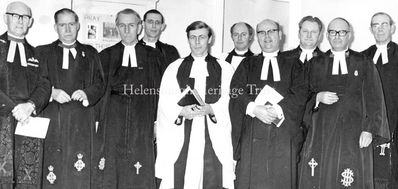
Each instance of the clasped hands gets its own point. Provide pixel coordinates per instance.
(191, 111)
(265, 113)
(61, 96)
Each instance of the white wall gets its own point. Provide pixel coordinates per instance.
(253, 12)
(180, 13)
(221, 14)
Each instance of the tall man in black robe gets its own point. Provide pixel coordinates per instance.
(77, 84)
(194, 141)
(154, 24)
(348, 112)
(385, 56)
(242, 35)
(24, 92)
(133, 78)
(310, 35)
(268, 151)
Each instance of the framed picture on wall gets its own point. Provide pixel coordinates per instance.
(97, 19)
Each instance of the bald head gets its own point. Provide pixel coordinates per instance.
(19, 7)
(341, 22)
(267, 22)
(18, 18)
(339, 34)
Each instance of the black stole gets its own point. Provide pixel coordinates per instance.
(233, 53)
(213, 81)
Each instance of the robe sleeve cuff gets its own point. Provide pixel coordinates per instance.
(33, 105)
(316, 106)
(51, 96)
(250, 108)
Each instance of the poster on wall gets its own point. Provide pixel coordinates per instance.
(99, 30)
(97, 19)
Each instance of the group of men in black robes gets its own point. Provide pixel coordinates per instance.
(333, 109)
(101, 129)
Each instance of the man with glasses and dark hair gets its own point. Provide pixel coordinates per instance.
(133, 77)
(154, 24)
(194, 140)
(242, 35)
(348, 111)
(264, 131)
(24, 92)
(77, 82)
(385, 56)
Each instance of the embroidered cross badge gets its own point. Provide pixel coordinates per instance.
(312, 164)
(137, 167)
(51, 177)
(79, 164)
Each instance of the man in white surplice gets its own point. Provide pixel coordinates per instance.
(194, 142)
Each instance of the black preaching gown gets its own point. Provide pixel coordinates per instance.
(68, 147)
(386, 164)
(267, 155)
(129, 115)
(20, 157)
(169, 52)
(331, 157)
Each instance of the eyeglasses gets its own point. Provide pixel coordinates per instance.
(16, 17)
(269, 32)
(341, 33)
(380, 25)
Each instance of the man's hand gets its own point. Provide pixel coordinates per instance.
(22, 111)
(207, 109)
(365, 139)
(266, 113)
(79, 95)
(60, 96)
(327, 97)
(191, 111)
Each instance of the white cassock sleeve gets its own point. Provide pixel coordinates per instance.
(170, 137)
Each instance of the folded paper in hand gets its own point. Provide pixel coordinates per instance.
(34, 127)
(190, 96)
(269, 96)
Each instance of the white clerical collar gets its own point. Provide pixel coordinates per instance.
(68, 47)
(339, 59)
(14, 36)
(199, 67)
(381, 50)
(129, 54)
(13, 48)
(270, 58)
(68, 44)
(273, 54)
(241, 52)
(306, 54)
(151, 44)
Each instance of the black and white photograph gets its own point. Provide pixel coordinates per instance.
(198, 94)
